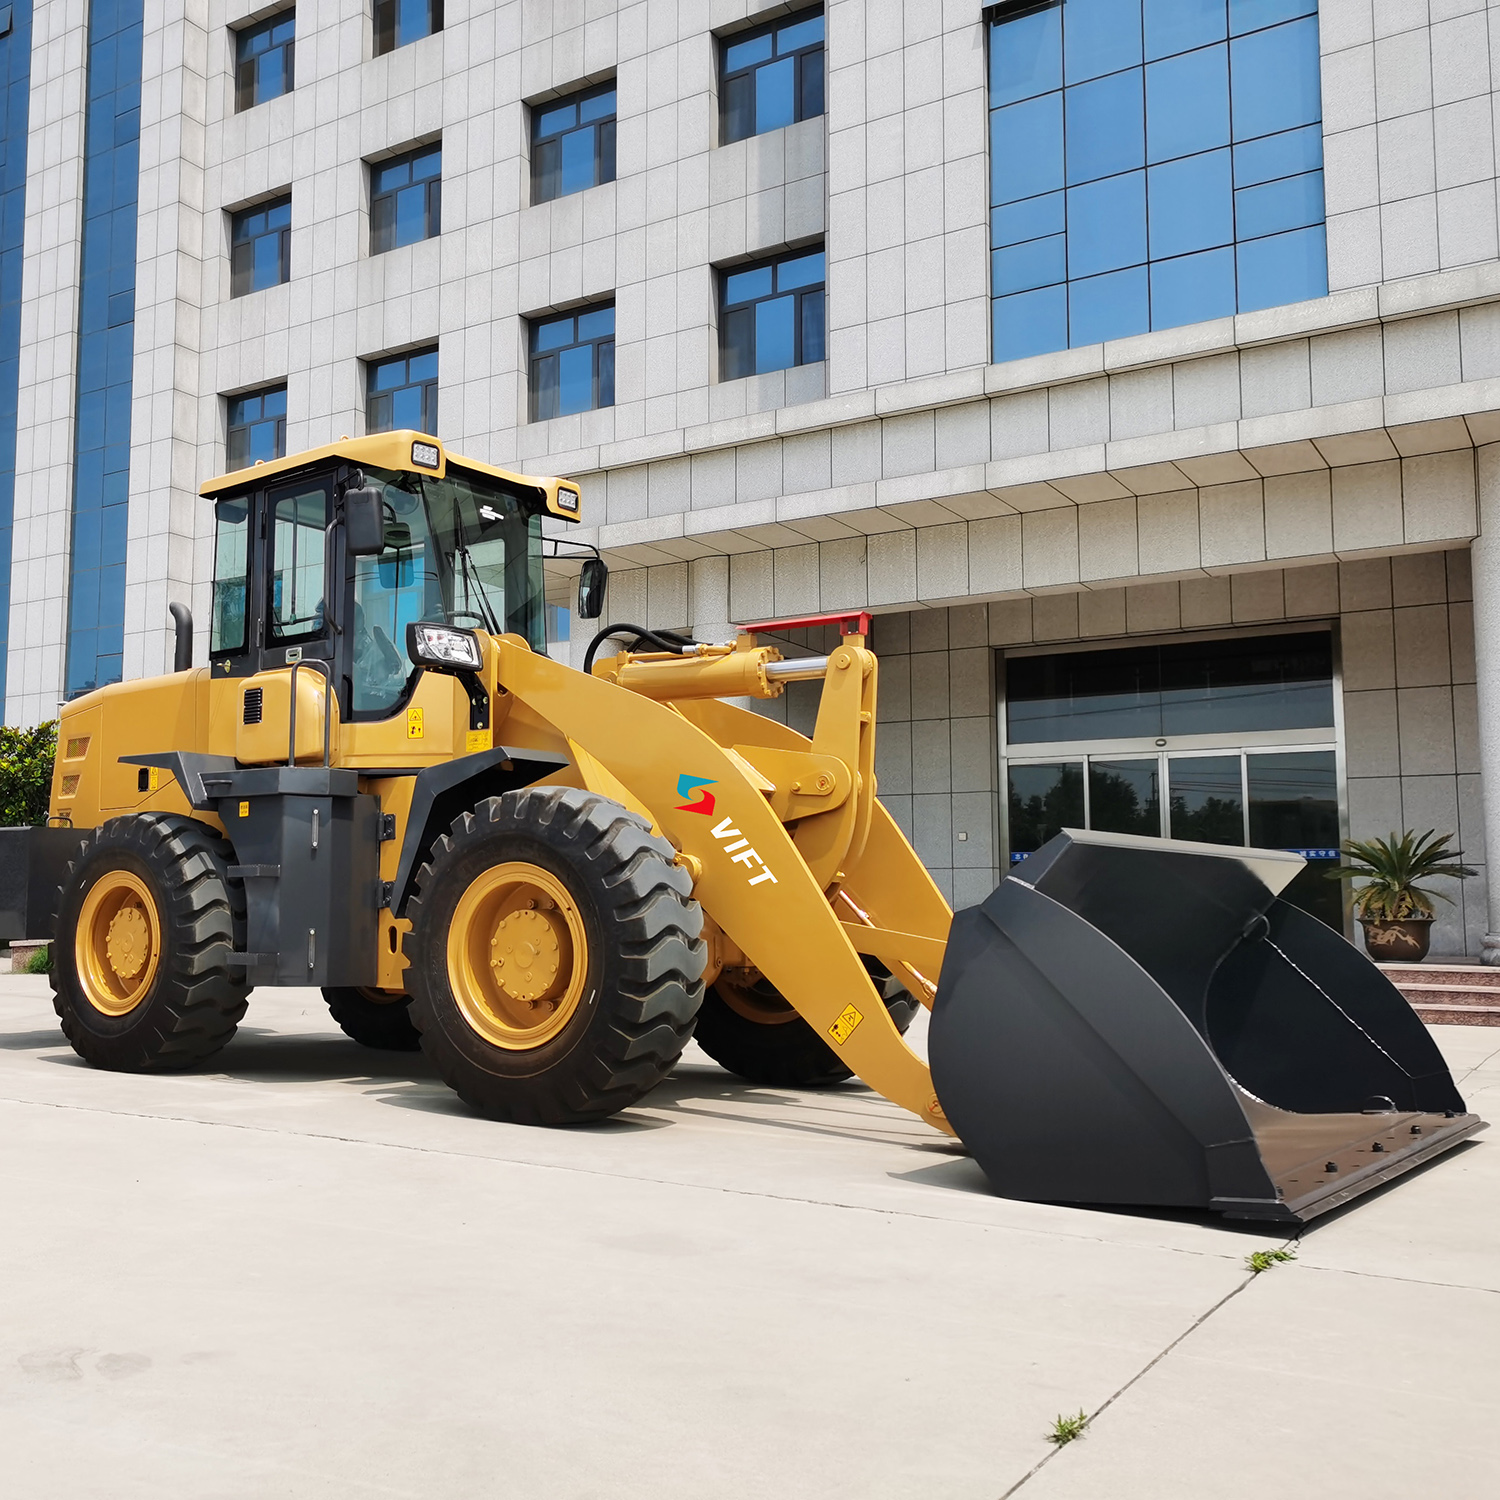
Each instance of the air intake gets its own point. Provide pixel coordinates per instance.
(254, 705)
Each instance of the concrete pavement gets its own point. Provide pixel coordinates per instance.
(309, 1272)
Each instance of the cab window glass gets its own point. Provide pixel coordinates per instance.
(296, 596)
(227, 629)
(390, 592)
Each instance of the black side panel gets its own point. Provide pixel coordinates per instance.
(310, 865)
(1071, 1075)
(33, 864)
(1304, 1021)
(445, 790)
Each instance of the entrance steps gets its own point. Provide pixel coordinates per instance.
(1449, 994)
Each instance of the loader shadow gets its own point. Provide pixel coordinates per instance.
(33, 1041)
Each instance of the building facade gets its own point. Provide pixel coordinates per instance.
(1135, 362)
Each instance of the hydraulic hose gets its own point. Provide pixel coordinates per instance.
(663, 640)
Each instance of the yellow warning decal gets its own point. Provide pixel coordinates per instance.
(244, 809)
(153, 780)
(477, 740)
(841, 1029)
(414, 730)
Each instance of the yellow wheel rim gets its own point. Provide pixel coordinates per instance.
(117, 943)
(517, 956)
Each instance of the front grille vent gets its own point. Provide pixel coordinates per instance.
(254, 704)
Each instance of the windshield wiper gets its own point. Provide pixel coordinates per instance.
(473, 583)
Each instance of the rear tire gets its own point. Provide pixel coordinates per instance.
(752, 1031)
(383, 1024)
(555, 957)
(140, 968)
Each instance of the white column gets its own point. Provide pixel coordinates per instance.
(1486, 560)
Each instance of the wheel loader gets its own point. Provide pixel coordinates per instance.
(549, 879)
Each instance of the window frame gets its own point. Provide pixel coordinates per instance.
(284, 248)
(244, 34)
(726, 309)
(389, 11)
(429, 388)
(727, 77)
(602, 128)
(295, 489)
(230, 427)
(432, 206)
(535, 357)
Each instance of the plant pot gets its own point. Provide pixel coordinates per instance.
(1403, 942)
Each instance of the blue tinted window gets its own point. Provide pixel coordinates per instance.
(398, 22)
(1193, 288)
(260, 242)
(1030, 62)
(573, 144)
(1282, 268)
(1104, 127)
(257, 428)
(771, 316)
(572, 363)
(1018, 268)
(772, 76)
(1108, 307)
(106, 335)
(1187, 103)
(1283, 155)
(263, 60)
(1026, 148)
(402, 391)
(1031, 323)
(1190, 204)
(1107, 224)
(1180, 25)
(1274, 79)
(1251, 15)
(1100, 36)
(1219, 102)
(406, 199)
(1027, 220)
(1289, 203)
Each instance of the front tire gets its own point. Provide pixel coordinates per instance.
(374, 1019)
(140, 969)
(556, 957)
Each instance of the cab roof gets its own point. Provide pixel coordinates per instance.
(399, 450)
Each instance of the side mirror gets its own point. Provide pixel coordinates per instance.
(591, 583)
(364, 522)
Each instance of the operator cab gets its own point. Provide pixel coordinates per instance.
(459, 542)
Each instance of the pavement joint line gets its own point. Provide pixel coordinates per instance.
(1452, 1286)
(1139, 1375)
(901, 1213)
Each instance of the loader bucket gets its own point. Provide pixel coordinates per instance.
(1141, 1021)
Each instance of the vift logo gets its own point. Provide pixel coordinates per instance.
(741, 852)
(690, 787)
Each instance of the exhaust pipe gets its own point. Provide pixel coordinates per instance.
(182, 653)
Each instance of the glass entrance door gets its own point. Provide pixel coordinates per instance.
(1264, 797)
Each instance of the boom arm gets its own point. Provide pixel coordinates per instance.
(752, 875)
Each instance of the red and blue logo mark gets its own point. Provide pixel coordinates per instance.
(692, 788)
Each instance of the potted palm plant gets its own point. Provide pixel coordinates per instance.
(1393, 907)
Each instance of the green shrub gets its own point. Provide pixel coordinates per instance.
(26, 757)
(40, 962)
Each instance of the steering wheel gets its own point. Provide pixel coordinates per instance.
(469, 614)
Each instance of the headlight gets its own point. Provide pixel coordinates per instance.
(443, 646)
(425, 455)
